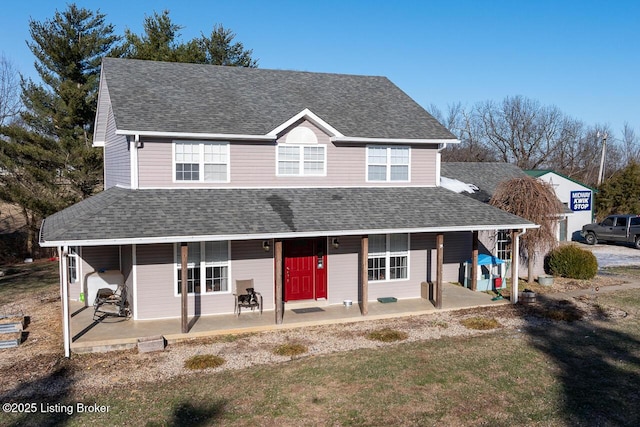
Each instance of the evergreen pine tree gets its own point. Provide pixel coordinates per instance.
(49, 149)
(620, 194)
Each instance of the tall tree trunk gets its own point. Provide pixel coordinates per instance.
(530, 265)
(30, 233)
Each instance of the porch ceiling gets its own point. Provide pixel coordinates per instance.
(125, 216)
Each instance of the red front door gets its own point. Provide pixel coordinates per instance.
(304, 269)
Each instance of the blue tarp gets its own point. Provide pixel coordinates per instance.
(484, 259)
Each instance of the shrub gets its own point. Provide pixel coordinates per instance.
(203, 361)
(290, 349)
(387, 335)
(572, 262)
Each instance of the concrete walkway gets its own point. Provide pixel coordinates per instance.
(114, 333)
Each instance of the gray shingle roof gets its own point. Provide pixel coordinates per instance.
(484, 175)
(120, 215)
(177, 97)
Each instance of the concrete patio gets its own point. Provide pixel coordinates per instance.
(113, 333)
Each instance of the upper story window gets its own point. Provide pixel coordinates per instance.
(387, 163)
(201, 161)
(301, 155)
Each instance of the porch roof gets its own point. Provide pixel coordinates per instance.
(125, 216)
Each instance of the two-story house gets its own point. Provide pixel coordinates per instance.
(318, 187)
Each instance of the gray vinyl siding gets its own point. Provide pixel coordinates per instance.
(156, 276)
(253, 164)
(155, 293)
(126, 266)
(421, 249)
(344, 277)
(117, 159)
(488, 243)
(343, 268)
(95, 258)
(104, 105)
(457, 250)
(250, 261)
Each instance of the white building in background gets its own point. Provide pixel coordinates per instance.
(577, 198)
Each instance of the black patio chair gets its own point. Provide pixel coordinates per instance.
(111, 303)
(246, 296)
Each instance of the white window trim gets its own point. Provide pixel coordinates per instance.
(387, 256)
(388, 163)
(498, 241)
(201, 161)
(78, 267)
(301, 173)
(203, 265)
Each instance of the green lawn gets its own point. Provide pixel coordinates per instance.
(26, 280)
(569, 373)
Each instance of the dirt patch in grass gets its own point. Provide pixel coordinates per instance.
(480, 323)
(203, 361)
(387, 335)
(290, 349)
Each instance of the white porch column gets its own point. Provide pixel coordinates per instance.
(134, 280)
(364, 275)
(64, 296)
(515, 263)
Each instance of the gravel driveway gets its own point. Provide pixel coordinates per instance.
(614, 255)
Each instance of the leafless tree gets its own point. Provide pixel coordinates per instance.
(536, 201)
(9, 90)
(579, 155)
(523, 131)
(464, 124)
(630, 145)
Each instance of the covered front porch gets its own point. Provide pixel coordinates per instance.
(114, 333)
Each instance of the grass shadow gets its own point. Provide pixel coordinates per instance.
(187, 414)
(598, 366)
(42, 402)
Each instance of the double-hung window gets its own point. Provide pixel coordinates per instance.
(201, 161)
(388, 257)
(301, 160)
(503, 244)
(388, 163)
(72, 264)
(207, 264)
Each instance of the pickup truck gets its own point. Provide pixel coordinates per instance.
(614, 228)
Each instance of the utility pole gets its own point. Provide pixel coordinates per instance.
(604, 149)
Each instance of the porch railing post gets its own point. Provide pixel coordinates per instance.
(64, 296)
(278, 291)
(515, 263)
(474, 262)
(364, 275)
(439, 262)
(184, 289)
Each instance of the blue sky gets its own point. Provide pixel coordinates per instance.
(581, 56)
